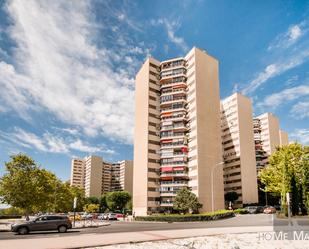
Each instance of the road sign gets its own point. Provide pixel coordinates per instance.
(75, 202)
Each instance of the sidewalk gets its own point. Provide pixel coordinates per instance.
(6, 226)
(95, 240)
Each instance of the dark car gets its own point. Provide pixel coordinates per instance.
(43, 223)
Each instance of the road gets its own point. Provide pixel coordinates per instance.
(120, 226)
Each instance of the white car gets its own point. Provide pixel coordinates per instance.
(87, 216)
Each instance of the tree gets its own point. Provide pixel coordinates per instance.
(186, 201)
(26, 186)
(92, 200)
(79, 193)
(91, 208)
(117, 200)
(231, 196)
(103, 203)
(288, 172)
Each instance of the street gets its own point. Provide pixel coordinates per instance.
(120, 226)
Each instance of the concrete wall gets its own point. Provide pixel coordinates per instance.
(209, 148)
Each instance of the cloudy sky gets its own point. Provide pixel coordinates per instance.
(67, 67)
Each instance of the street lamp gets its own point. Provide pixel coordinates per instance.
(212, 184)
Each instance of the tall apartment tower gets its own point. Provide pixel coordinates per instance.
(93, 178)
(77, 173)
(267, 136)
(238, 145)
(284, 138)
(98, 177)
(126, 175)
(177, 132)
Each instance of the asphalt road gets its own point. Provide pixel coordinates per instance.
(119, 226)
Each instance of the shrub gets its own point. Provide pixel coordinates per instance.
(221, 214)
(240, 211)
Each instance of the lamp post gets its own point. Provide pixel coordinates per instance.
(212, 184)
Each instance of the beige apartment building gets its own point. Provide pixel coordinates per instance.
(267, 136)
(177, 140)
(98, 177)
(238, 146)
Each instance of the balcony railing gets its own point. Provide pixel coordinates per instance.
(174, 163)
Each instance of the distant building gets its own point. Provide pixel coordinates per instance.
(238, 146)
(268, 137)
(98, 177)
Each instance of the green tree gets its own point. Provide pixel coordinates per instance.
(26, 186)
(117, 200)
(103, 204)
(79, 193)
(91, 208)
(186, 201)
(63, 198)
(288, 172)
(231, 196)
(92, 200)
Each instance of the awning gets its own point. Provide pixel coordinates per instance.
(178, 168)
(167, 141)
(167, 169)
(165, 178)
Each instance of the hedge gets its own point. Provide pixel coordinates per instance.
(187, 217)
(241, 211)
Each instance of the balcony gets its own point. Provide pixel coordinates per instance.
(172, 64)
(167, 193)
(166, 204)
(174, 183)
(171, 84)
(174, 92)
(172, 100)
(174, 174)
(175, 154)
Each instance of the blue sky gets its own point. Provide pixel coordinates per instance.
(67, 68)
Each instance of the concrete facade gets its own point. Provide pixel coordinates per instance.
(98, 177)
(238, 145)
(177, 132)
(268, 137)
(284, 138)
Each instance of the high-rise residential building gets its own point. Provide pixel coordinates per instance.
(268, 137)
(98, 177)
(238, 145)
(126, 175)
(284, 138)
(177, 140)
(77, 173)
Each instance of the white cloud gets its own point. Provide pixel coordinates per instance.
(301, 136)
(171, 27)
(59, 69)
(276, 69)
(301, 110)
(290, 37)
(51, 143)
(289, 94)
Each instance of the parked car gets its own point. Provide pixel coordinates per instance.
(110, 216)
(101, 216)
(269, 210)
(254, 209)
(119, 215)
(87, 216)
(43, 223)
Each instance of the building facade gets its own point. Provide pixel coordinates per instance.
(238, 146)
(177, 140)
(268, 137)
(98, 177)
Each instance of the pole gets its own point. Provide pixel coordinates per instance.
(74, 209)
(212, 185)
